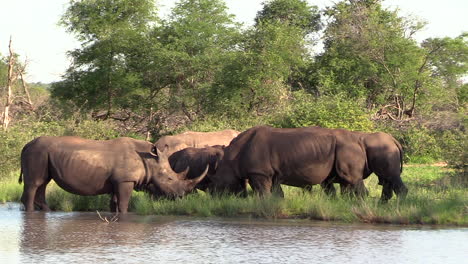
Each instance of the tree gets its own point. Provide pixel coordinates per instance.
(100, 77)
(9, 93)
(196, 42)
(10, 69)
(294, 13)
(447, 58)
(369, 52)
(258, 77)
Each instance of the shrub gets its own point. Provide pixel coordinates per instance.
(216, 123)
(420, 145)
(325, 111)
(453, 144)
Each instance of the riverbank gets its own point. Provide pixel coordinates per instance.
(437, 195)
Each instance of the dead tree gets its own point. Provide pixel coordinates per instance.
(23, 82)
(10, 79)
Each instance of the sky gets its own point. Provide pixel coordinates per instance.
(38, 39)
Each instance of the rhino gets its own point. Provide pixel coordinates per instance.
(384, 157)
(94, 167)
(195, 140)
(197, 159)
(268, 157)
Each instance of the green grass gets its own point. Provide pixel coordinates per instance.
(10, 190)
(436, 196)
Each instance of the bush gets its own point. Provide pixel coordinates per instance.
(216, 123)
(325, 111)
(453, 144)
(420, 145)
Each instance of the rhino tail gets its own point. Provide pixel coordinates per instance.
(20, 180)
(400, 148)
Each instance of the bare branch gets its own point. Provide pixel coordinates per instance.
(6, 112)
(112, 220)
(23, 82)
(103, 219)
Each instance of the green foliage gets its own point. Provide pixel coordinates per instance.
(448, 59)
(10, 190)
(100, 77)
(99, 130)
(95, 20)
(367, 55)
(325, 111)
(295, 13)
(420, 145)
(454, 144)
(448, 56)
(3, 70)
(195, 42)
(440, 140)
(255, 80)
(216, 123)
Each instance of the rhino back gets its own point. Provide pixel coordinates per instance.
(196, 140)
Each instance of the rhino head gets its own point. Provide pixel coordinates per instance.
(226, 179)
(165, 182)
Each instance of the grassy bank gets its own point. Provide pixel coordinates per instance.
(436, 196)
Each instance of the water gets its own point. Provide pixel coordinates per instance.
(79, 237)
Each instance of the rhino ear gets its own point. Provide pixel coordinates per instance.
(164, 150)
(159, 153)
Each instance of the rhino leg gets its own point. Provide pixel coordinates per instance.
(40, 199)
(399, 188)
(358, 189)
(262, 184)
(27, 198)
(391, 182)
(328, 187)
(387, 191)
(277, 190)
(113, 202)
(244, 183)
(123, 195)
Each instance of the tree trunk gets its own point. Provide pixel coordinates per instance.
(25, 86)
(9, 97)
(148, 126)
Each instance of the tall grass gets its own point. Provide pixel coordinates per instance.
(10, 190)
(436, 196)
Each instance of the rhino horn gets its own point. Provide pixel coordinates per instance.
(183, 174)
(193, 182)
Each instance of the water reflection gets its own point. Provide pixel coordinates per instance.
(82, 238)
